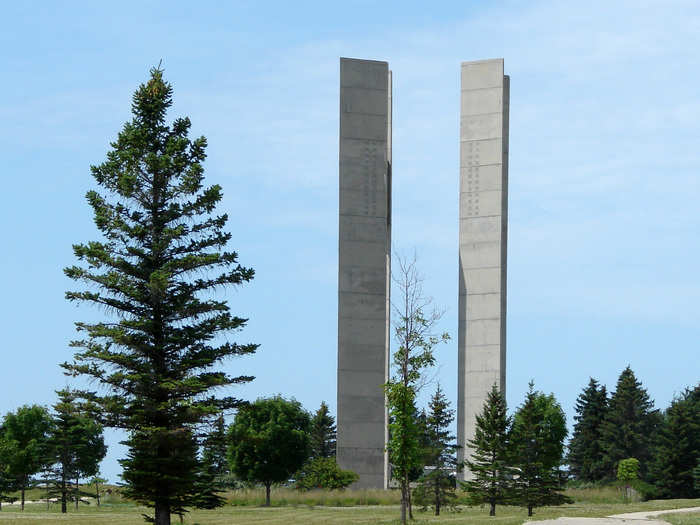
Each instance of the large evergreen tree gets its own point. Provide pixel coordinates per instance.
(156, 270)
(629, 426)
(585, 453)
(492, 475)
(437, 487)
(678, 447)
(537, 448)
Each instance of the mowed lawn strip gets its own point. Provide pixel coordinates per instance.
(36, 514)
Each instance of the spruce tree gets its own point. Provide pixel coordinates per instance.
(585, 453)
(629, 426)
(437, 487)
(678, 447)
(537, 449)
(492, 480)
(156, 270)
(215, 448)
(323, 433)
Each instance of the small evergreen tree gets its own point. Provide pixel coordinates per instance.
(437, 487)
(630, 424)
(76, 449)
(537, 449)
(585, 456)
(678, 447)
(214, 453)
(269, 441)
(160, 261)
(323, 433)
(492, 481)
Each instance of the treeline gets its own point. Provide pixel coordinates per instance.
(57, 448)
(625, 424)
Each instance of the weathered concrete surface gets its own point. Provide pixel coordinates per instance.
(631, 518)
(483, 226)
(364, 268)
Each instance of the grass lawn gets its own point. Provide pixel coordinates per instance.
(125, 513)
(682, 518)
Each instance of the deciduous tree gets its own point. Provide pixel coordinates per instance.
(25, 445)
(269, 441)
(414, 333)
(156, 269)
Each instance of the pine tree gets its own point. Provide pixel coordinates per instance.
(629, 426)
(585, 453)
(77, 446)
(156, 270)
(678, 447)
(437, 487)
(492, 481)
(537, 449)
(214, 448)
(322, 434)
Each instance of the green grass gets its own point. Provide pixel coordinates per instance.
(682, 518)
(306, 514)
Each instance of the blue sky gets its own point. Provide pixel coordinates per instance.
(604, 187)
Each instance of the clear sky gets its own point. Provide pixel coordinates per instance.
(604, 226)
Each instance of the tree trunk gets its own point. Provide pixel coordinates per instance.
(437, 494)
(529, 510)
(22, 506)
(77, 493)
(404, 500)
(492, 512)
(162, 513)
(97, 493)
(267, 494)
(64, 494)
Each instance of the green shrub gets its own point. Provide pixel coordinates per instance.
(324, 473)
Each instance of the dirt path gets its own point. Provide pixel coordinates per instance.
(632, 518)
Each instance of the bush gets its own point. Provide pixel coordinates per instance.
(324, 473)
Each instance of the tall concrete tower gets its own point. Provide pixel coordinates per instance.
(364, 269)
(483, 228)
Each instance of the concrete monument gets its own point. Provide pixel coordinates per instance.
(364, 269)
(483, 222)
